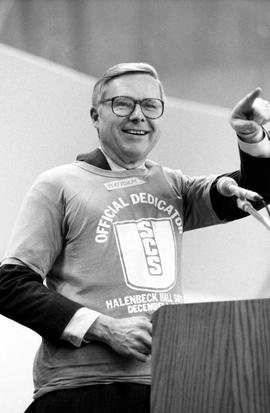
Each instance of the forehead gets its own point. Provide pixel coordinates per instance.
(139, 86)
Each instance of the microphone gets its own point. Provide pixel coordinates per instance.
(227, 186)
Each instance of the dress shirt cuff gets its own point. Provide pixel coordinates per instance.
(258, 149)
(78, 325)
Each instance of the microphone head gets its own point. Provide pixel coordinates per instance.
(224, 185)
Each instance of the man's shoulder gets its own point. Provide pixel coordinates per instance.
(58, 179)
(57, 172)
(94, 157)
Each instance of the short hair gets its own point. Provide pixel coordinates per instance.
(122, 69)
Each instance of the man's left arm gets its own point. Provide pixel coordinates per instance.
(247, 119)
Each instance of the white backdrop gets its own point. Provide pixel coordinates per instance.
(45, 122)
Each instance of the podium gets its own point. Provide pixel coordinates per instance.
(211, 358)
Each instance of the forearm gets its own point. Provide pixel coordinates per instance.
(25, 299)
(253, 175)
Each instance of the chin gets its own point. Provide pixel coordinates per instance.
(135, 156)
(137, 150)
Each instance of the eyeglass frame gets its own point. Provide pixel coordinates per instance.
(136, 101)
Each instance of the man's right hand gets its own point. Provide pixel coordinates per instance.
(130, 337)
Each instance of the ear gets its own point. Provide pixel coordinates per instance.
(94, 116)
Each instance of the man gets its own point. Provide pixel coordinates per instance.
(105, 233)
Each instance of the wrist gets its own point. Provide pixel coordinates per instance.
(98, 330)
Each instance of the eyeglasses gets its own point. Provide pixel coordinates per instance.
(124, 105)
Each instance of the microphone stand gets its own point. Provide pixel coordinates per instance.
(247, 207)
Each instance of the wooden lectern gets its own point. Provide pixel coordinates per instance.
(211, 358)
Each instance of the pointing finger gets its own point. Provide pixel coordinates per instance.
(245, 105)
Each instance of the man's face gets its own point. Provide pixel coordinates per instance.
(128, 140)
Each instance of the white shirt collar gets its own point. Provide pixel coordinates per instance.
(114, 166)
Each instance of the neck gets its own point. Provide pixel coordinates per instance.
(122, 164)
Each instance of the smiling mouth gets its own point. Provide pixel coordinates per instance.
(137, 132)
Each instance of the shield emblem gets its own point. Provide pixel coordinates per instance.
(147, 250)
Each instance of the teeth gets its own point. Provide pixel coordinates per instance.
(136, 132)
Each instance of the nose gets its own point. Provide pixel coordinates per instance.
(137, 113)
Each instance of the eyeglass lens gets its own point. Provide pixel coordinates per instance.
(124, 106)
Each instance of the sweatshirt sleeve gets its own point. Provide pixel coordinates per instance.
(204, 205)
(25, 299)
(35, 244)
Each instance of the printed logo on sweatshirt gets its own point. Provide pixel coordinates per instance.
(142, 198)
(147, 252)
